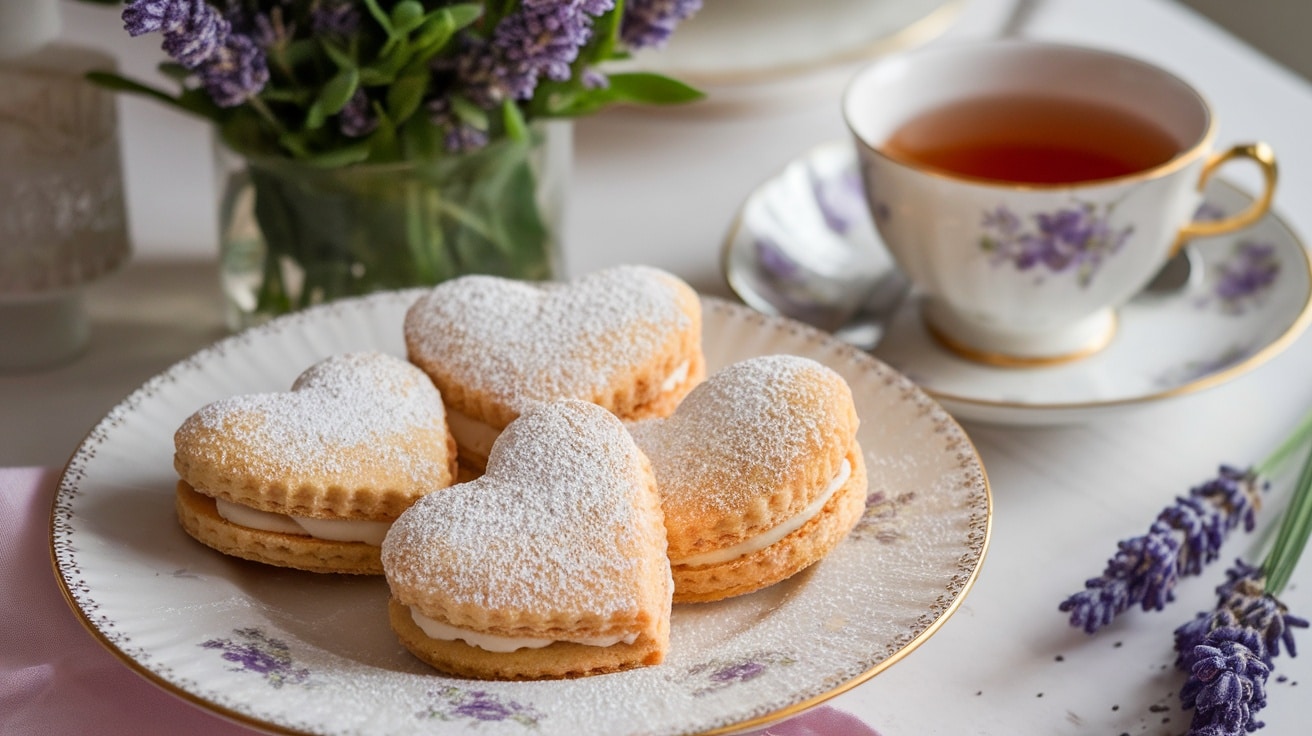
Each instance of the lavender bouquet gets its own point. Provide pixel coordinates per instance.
(447, 94)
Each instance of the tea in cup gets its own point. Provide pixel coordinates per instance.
(1028, 189)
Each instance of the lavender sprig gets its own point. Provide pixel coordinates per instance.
(1230, 652)
(650, 23)
(1185, 537)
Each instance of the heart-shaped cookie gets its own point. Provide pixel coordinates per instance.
(552, 564)
(626, 338)
(312, 477)
(760, 474)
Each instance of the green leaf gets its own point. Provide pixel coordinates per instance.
(469, 113)
(305, 50)
(606, 31)
(315, 117)
(297, 97)
(295, 143)
(421, 139)
(342, 59)
(245, 131)
(383, 142)
(652, 89)
(352, 154)
(380, 16)
(437, 30)
(193, 104)
(464, 14)
(406, 94)
(174, 71)
(338, 91)
(388, 65)
(513, 119)
(407, 15)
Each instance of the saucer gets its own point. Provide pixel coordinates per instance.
(737, 42)
(799, 239)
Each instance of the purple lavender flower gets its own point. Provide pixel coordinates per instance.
(193, 30)
(339, 18)
(271, 30)
(1242, 602)
(153, 16)
(541, 39)
(458, 136)
(236, 73)
(1184, 537)
(594, 79)
(649, 23)
(1077, 238)
(1227, 684)
(357, 118)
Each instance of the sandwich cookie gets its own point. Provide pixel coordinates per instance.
(312, 478)
(760, 475)
(552, 564)
(627, 339)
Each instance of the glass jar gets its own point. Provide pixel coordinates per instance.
(293, 235)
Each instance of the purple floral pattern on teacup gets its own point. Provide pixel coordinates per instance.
(256, 652)
(716, 675)
(1245, 278)
(478, 706)
(877, 208)
(1075, 239)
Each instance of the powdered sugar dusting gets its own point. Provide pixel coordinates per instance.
(346, 402)
(551, 527)
(520, 341)
(739, 434)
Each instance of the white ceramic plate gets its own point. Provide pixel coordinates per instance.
(297, 652)
(805, 235)
(750, 41)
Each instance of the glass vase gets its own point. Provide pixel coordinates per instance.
(294, 235)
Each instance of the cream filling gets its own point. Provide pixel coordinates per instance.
(678, 376)
(471, 434)
(501, 644)
(333, 530)
(476, 437)
(769, 537)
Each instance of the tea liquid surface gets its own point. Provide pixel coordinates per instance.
(1031, 140)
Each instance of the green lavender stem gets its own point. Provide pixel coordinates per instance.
(1291, 539)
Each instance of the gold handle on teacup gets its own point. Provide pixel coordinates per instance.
(1264, 157)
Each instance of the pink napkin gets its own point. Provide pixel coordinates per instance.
(55, 679)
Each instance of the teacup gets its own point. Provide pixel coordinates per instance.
(1028, 189)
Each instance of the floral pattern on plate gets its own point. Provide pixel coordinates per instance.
(716, 675)
(473, 705)
(256, 652)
